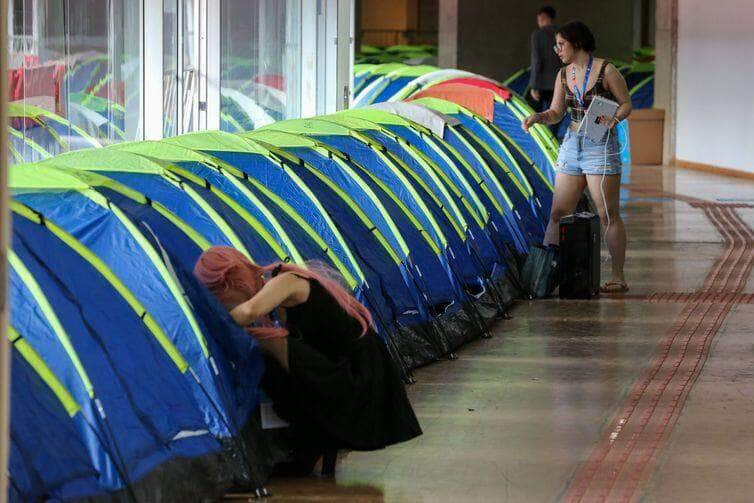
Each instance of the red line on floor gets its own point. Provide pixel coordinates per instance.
(685, 297)
(626, 452)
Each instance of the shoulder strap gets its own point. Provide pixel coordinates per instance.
(563, 79)
(601, 75)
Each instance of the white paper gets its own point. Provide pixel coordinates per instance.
(270, 420)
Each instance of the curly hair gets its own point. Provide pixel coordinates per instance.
(579, 35)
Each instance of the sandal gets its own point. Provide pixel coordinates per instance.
(614, 287)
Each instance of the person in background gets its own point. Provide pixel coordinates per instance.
(544, 63)
(583, 162)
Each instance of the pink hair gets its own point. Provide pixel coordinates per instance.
(223, 270)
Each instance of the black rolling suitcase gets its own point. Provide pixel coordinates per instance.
(579, 256)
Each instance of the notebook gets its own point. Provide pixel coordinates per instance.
(589, 126)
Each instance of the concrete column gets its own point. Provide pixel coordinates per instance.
(4, 233)
(447, 56)
(666, 64)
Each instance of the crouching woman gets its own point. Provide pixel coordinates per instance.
(328, 374)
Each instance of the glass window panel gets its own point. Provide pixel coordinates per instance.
(179, 73)
(188, 66)
(80, 59)
(260, 79)
(125, 68)
(36, 63)
(170, 67)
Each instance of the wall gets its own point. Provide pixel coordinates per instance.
(384, 15)
(383, 22)
(493, 35)
(391, 22)
(715, 97)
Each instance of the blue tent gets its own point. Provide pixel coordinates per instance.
(44, 426)
(494, 152)
(251, 175)
(23, 149)
(642, 90)
(431, 190)
(514, 205)
(436, 267)
(538, 144)
(129, 425)
(291, 213)
(374, 73)
(387, 80)
(52, 133)
(132, 378)
(461, 162)
(374, 236)
(519, 81)
(462, 224)
(211, 358)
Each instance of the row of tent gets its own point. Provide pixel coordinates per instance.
(462, 93)
(131, 381)
(404, 53)
(255, 102)
(83, 86)
(503, 104)
(35, 134)
(395, 81)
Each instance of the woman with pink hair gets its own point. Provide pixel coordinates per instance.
(328, 374)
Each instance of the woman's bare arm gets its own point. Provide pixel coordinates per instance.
(552, 115)
(616, 84)
(557, 109)
(285, 290)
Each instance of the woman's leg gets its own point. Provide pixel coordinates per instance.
(568, 189)
(609, 212)
(277, 348)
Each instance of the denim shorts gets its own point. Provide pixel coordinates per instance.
(580, 155)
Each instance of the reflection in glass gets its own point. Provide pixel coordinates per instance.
(74, 73)
(260, 62)
(179, 75)
(170, 67)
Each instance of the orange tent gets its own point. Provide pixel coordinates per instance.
(479, 100)
(501, 91)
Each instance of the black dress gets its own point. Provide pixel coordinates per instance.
(342, 390)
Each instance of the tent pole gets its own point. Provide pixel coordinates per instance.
(4, 234)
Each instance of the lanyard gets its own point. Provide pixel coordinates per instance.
(580, 94)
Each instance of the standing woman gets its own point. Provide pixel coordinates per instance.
(328, 374)
(583, 162)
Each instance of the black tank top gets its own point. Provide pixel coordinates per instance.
(598, 89)
(341, 390)
(322, 323)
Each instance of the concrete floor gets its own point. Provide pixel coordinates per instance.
(612, 399)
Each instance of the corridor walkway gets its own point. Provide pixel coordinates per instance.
(643, 397)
